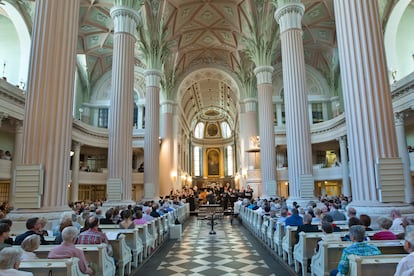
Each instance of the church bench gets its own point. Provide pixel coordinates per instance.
(270, 231)
(146, 238)
(55, 267)
(304, 249)
(95, 254)
(278, 235)
(288, 241)
(374, 265)
(122, 253)
(330, 253)
(132, 240)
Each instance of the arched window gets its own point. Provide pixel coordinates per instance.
(199, 130)
(225, 130)
(229, 160)
(197, 164)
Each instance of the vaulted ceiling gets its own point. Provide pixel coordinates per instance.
(209, 34)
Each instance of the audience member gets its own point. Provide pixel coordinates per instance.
(93, 235)
(29, 245)
(294, 219)
(9, 222)
(108, 217)
(307, 226)
(67, 249)
(385, 234)
(10, 262)
(329, 219)
(351, 212)
(139, 220)
(336, 214)
(154, 212)
(406, 266)
(397, 221)
(283, 215)
(365, 221)
(126, 222)
(33, 227)
(317, 212)
(358, 247)
(351, 222)
(4, 235)
(147, 214)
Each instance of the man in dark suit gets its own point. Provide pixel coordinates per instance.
(306, 226)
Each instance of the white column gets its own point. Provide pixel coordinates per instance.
(367, 97)
(75, 171)
(403, 153)
(121, 108)
(167, 149)
(346, 187)
(289, 16)
(325, 111)
(266, 130)
(47, 126)
(17, 156)
(152, 133)
(140, 116)
(279, 115)
(248, 129)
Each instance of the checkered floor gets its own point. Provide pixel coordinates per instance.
(231, 251)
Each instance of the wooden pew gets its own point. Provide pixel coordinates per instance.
(55, 267)
(96, 255)
(132, 240)
(278, 237)
(329, 254)
(288, 242)
(374, 265)
(122, 253)
(305, 249)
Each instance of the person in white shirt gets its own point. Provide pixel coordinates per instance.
(397, 221)
(10, 262)
(29, 245)
(406, 266)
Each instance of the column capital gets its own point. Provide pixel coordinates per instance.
(153, 77)
(399, 118)
(289, 14)
(168, 106)
(263, 74)
(125, 19)
(341, 139)
(250, 105)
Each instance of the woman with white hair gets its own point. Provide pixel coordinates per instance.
(406, 265)
(67, 249)
(10, 262)
(29, 245)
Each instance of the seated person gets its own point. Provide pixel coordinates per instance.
(307, 226)
(327, 229)
(33, 227)
(406, 266)
(365, 221)
(9, 222)
(29, 245)
(126, 222)
(329, 219)
(10, 262)
(359, 247)
(108, 217)
(93, 235)
(385, 234)
(294, 219)
(351, 222)
(4, 235)
(139, 220)
(67, 249)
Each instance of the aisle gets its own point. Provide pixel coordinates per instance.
(231, 251)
